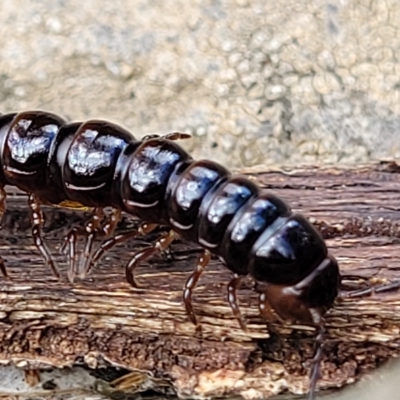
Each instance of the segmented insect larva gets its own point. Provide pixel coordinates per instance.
(97, 164)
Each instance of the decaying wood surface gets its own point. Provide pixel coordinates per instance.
(102, 322)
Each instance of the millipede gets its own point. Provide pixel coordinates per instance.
(97, 164)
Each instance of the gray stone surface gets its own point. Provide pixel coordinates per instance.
(286, 81)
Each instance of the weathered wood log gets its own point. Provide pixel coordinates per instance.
(101, 321)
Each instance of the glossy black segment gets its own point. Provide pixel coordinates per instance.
(288, 254)
(5, 123)
(190, 188)
(246, 227)
(145, 182)
(26, 148)
(90, 162)
(225, 202)
(322, 287)
(57, 156)
(120, 172)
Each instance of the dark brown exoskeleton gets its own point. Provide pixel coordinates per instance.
(97, 164)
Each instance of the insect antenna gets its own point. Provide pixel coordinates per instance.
(315, 373)
(369, 290)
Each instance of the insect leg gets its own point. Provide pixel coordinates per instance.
(3, 196)
(266, 309)
(177, 136)
(109, 228)
(169, 136)
(148, 137)
(92, 228)
(315, 373)
(190, 284)
(3, 268)
(70, 239)
(122, 237)
(160, 245)
(37, 224)
(369, 291)
(232, 287)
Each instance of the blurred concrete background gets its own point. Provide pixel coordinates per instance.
(254, 81)
(286, 81)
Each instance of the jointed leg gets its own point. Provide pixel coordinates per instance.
(72, 256)
(71, 239)
(315, 373)
(93, 229)
(3, 196)
(37, 224)
(3, 269)
(369, 291)
(109, 228)
(190, 284)
(148, 137)
(177, 136)
(160, 245)
(266, 309)
(233, 286)
(169, 136)
(143, 229)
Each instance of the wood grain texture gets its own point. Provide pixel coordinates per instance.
(101, 321)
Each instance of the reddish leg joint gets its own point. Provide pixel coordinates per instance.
(161, 244)
(37, 224)
(191, 283)
(232, 287)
